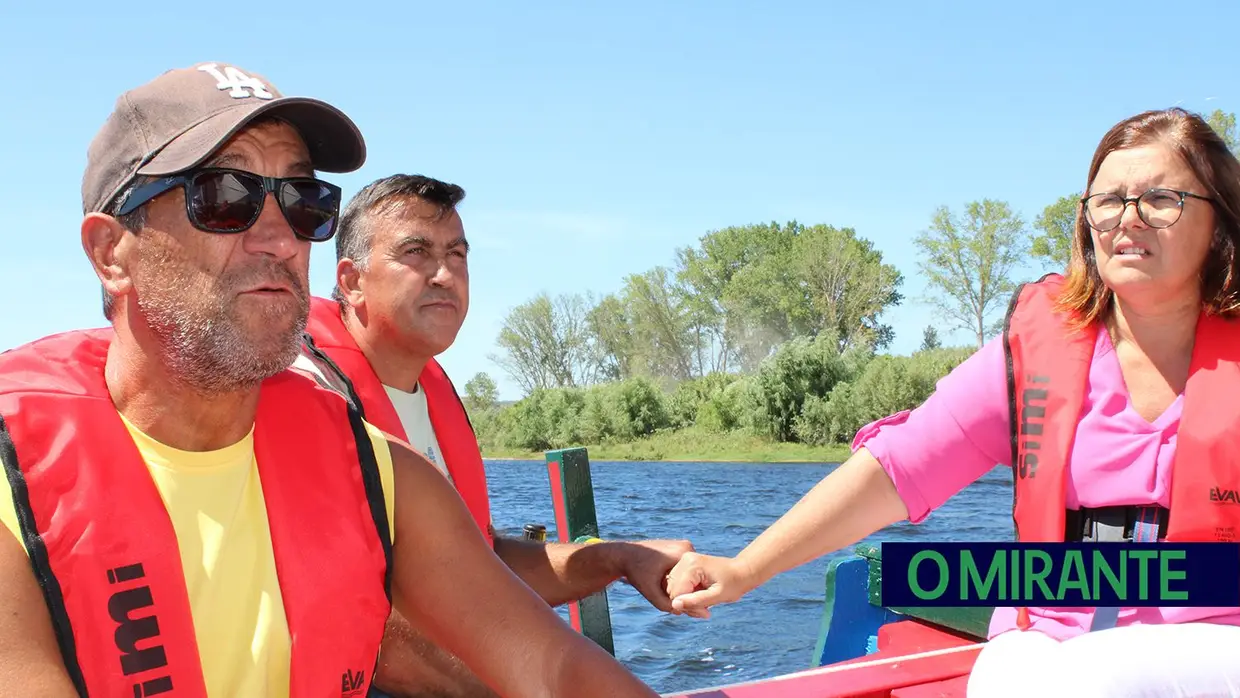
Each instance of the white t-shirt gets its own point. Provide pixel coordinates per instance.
(410, 408)
(416, 419)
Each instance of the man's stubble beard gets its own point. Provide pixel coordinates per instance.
(207, 347)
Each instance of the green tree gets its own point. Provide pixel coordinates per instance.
(1224, 123)
(608, 323)
(1057, 225)
(799, 369)
(737, 333)
(766, 284)
(546, 343)
(481, 393)
(843, 286)
(930, 339)
(659, 322)
(968, 262)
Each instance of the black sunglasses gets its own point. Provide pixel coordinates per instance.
(220, 200)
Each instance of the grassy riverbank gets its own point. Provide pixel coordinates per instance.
(694, 445)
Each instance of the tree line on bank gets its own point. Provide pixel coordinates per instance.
(773, 329)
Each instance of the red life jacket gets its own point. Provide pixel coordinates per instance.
(105, 553)
(1048, 372)
(329, 339)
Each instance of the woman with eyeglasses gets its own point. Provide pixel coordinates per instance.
(1111, 395)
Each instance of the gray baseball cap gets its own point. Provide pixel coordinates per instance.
(179, 119)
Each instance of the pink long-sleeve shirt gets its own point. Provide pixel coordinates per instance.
(962, 431)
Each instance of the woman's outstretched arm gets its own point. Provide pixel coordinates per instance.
(855, 500)
(903, 467)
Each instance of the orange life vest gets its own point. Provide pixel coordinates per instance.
(104, 551)
(334, 349)
(1048, 372)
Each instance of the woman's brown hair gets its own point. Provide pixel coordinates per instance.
(1085, 297)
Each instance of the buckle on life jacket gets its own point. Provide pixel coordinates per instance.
(1118, 523)
(1146, 524)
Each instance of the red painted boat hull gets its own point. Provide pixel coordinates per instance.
(914, 660)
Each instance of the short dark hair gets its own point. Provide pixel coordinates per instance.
(353, 233)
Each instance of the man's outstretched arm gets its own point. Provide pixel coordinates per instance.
(456, 592)
(30, 662)
(563, 572)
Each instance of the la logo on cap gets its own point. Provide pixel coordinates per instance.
(238, 84)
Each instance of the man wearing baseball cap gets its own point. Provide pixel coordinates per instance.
(187, 515)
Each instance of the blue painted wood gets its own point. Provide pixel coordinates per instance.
(850, 622)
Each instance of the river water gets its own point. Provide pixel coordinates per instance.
(721, 507)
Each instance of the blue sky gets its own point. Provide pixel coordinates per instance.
(594, 141)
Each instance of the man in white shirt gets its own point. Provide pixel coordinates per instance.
(401, 296)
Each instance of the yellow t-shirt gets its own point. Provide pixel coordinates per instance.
(215, 501)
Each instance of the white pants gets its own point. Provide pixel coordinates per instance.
(1181, 660)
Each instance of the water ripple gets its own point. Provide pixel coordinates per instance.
(721, 507)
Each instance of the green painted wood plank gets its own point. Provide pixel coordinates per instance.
(580, 523)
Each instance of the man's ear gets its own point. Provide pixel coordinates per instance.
(349, 281)
(109, 247)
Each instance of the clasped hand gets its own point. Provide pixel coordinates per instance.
(698, 582)
(645, 565)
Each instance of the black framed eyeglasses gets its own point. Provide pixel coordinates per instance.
(1158, 208)
(223, 200)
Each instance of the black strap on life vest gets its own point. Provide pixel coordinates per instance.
(333, 377)
(40, 562)
(1091, 524)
